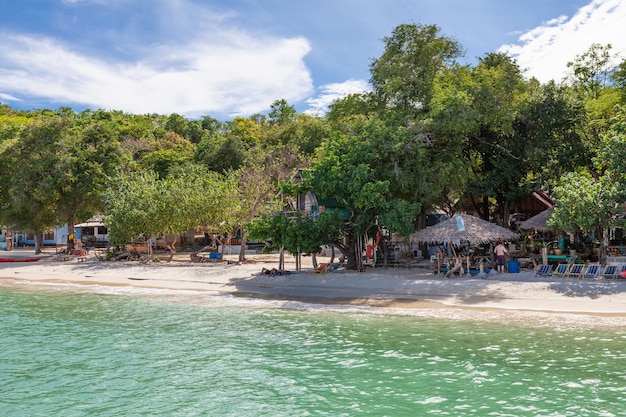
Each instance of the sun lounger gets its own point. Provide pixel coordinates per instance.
(620, 272)
(610, 272)
(575, 271)
(544, 271)
(561, 270)
(591, 271)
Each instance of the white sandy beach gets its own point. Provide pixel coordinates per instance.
(516, 297)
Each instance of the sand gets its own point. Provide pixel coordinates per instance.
(519, 297)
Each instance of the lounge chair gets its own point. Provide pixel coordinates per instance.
(591, 271)
(575, 271)
(544, 271)
(561, 270)
(620, 271)
(610, 272)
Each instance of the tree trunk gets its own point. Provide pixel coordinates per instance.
(38, 244)
(385, 252)
(148, 243)
(172, 248)
(485, 211)
(71, 237)
(224, 242)
(603, 245)
(242, 250)
(281, 259)
(298, 260)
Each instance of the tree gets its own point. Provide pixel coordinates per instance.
(281, 113)
(141, 204)
(344, 171)
(404, 75)
(591, 203)
(475, 117)
(59, 166)
(592, 69)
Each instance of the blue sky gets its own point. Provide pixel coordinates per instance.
(223, 58)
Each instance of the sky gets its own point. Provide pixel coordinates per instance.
(227, 58)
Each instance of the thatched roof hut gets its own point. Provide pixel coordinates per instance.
(538, 222)
(464, 228)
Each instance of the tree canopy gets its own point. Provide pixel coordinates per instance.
(431, 134)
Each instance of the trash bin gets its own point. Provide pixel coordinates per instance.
(513, 267)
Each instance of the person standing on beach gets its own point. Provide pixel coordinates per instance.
(500, 252)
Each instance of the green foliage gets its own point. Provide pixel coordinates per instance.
(142, 204)
(592, 69)
(281, 113)
(588, 203)
(133, 206)
(414, 54)
(583, 203)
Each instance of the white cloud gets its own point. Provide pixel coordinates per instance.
(8, 97)
(331, 92)
(545, 50)
(215, 69)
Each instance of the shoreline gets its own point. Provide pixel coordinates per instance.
(516, 297)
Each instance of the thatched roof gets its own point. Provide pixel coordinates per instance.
(464, 228)
(538, 222)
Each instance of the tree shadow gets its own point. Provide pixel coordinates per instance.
(590, 289)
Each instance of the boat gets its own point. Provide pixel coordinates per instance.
(19, 259)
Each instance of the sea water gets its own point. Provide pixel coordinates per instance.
(66, 353)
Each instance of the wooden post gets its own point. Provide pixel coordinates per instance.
(544, 256)
(439, 262)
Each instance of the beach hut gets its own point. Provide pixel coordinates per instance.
(538, 222)
(463, 229)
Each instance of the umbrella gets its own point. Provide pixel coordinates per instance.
(464, 228)
(538, 222)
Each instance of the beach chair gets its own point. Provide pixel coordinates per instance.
(561, 270)
(610, 272)
(575, 271)
(591, 271)
(620, 271)
(544, 271)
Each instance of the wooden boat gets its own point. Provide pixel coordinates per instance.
(19, 259)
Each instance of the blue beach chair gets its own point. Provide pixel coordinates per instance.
(544, 271)
(575, 271)
(561, 270)
(610, 272)
(591, 271)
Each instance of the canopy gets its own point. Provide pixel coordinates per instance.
(464, 228)
(539, 221)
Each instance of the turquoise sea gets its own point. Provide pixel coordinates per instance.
(76, 353)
